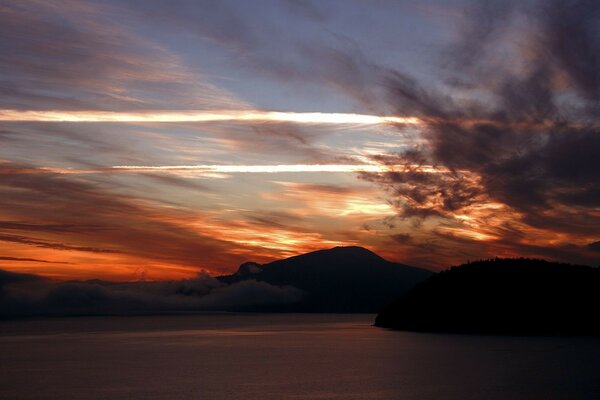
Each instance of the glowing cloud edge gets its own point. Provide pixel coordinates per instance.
(201, 116)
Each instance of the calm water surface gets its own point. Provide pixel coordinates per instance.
(251, 356)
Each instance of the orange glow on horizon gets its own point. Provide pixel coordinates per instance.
(163, 242)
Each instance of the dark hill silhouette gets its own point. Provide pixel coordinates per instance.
(342, 279)
(506, 296)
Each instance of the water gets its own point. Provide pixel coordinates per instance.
(285, 356)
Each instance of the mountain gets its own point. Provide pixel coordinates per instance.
(342, 279)
(505, 296)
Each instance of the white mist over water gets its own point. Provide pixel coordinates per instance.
(282, 356)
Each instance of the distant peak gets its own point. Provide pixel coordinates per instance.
(342, 252)
(357, 249)
(352, 250)
(249, 268)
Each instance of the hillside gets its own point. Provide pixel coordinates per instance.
(342, 279)
(508, 296)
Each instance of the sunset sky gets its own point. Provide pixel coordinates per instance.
(159, 139)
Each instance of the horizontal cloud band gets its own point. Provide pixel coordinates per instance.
(201, 116)
(231, 169)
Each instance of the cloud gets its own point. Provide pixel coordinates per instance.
(273, 219)
(247, 295)
(105, 232)
(310, 199)
(516, 125)
(208, 170)
(51, 245)
(203, 116)
(22, 259)
(77, 215)
(20, 226)
(72, 55)
(80, 55)
(510, 126)
(313, 54)
(26, 295)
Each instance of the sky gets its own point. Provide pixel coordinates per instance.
(158, 140)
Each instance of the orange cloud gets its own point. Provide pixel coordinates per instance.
(332, 200)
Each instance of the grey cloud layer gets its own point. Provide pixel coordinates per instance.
(22, 295)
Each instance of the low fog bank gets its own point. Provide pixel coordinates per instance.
(32, 295)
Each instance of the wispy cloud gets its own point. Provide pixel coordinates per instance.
(98, 220)
(29, 260)
(109, 111)
(211, 170)
(72, 54)
(91, 225)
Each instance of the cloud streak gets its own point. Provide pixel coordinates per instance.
(183, 116)
(189, 170)
(33, 260)
(72, 54)
(202, 116)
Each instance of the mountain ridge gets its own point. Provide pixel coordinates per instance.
(340, 279)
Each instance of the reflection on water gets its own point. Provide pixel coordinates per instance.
(283, 356)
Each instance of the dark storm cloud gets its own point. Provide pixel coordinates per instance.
(529, 135)
(418, 191)
(23, 294)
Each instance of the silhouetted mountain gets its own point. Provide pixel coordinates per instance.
(342, 279)
(508, 296)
